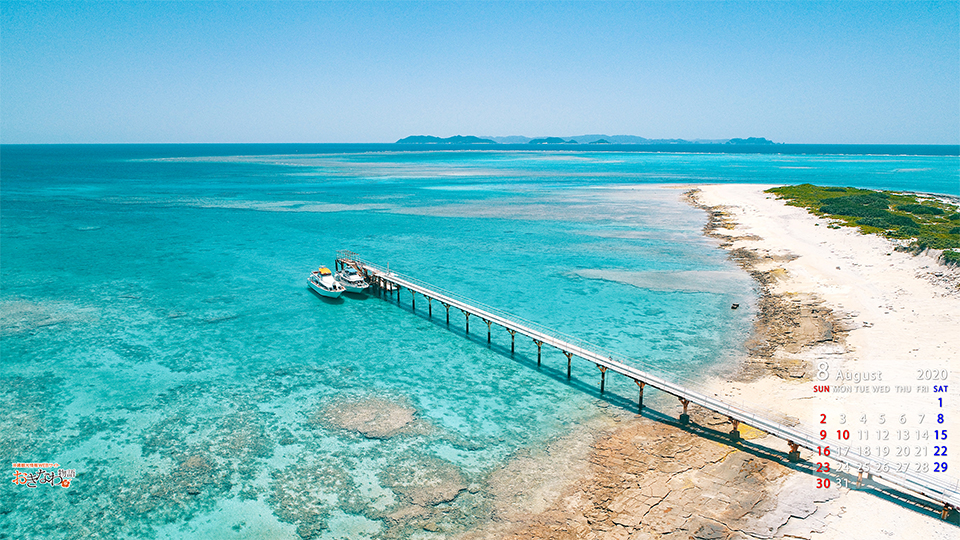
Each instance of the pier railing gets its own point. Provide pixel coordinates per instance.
(945, 490)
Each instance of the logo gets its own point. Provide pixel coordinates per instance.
(44, 474)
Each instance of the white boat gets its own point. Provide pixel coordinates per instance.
(351, 280)
(324, 284)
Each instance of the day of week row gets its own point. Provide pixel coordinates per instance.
(878, 389)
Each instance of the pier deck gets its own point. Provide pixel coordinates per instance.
(941, 490)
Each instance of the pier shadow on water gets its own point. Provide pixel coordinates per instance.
(552, 367)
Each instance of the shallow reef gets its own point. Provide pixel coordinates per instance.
(373, 417)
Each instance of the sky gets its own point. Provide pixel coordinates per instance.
(846, 72)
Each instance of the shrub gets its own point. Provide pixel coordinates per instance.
(951, 258)
(868, 205)
(886, 220)
(902, 221)
(850, 210)
(925, 241)
(920, 209)
(954, 216)
(879, 223)
(955, 230)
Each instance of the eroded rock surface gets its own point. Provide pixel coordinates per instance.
(648, 480)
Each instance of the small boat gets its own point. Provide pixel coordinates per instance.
(351, 280)
(324, 284)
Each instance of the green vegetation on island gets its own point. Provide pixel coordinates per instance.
(917, 222)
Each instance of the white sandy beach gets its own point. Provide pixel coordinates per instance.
(896, 316)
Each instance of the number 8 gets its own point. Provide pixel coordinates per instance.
(823, 371)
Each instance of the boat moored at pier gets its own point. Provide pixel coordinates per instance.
(323, 283)
(351, 280)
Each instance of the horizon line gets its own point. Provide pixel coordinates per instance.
(481, 145)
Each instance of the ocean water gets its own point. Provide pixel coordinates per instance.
(158, 337)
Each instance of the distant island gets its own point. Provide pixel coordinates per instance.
(457, 139)
(750, 140)
(579, 139)
(551, 140)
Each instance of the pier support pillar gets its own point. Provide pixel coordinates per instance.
(488, 329)
(603, 376)
(794, 454)
(413, 299)
(429, 307)
(448, 312)
(945, 513)
(513, 334)
(735, 432)
(641, 384)
(569, 361)
(684, 417)
(539, 345)
(467, 314)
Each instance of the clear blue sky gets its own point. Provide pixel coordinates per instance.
(796, 72)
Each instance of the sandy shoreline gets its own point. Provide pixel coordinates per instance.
(833, 303)
(865, 309)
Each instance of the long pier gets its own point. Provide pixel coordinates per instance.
(943, 491)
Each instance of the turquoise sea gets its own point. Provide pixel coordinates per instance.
(158, 337)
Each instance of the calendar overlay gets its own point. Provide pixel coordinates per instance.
(891, 426)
